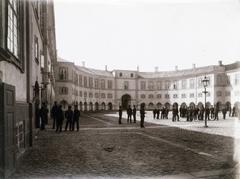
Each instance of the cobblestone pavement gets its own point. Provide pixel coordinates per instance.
(103, 149)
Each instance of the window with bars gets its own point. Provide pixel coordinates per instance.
(13, 28)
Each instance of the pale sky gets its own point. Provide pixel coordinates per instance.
(126, 33)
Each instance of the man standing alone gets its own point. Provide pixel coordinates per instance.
(134, 113)
(76, 116)
(120, 115)
(54, 114)
(142, 116)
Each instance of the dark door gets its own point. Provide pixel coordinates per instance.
(7, 130)
(126, 100)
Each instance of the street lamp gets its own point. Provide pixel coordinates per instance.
(205, 82)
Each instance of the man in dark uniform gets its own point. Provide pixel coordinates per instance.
(54, 114)
(234, 111)
(60, 118)
(158, 113)
(166, 112)
(162, 113)
(154, 113)
(120, 115)
(216, 113)
(129, 114)
(207, 112)
(212, 112)
(76, 116)
(142, 116)
(43, 115)
(173, 114)
(224, 112)
(134, 113)
(69, 117)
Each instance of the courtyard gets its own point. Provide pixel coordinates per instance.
(104, 149)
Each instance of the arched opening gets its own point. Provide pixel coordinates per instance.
(126, 101)
(150, 106)
(103, 106)
(96, 106)
(142, 105)
(80, 105)
(192, 105)
(159, 105)
(64, 103)
(200, 105)
(219, 105)
(175, 105)
(228, 106)
(91, 106)
(167, 105)
(183, 106)
(208, 104)
(109, 106)
(85, 106)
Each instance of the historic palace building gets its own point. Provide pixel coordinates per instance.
(95, 89)
(27, 57)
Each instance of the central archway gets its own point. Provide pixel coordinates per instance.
(126, 100)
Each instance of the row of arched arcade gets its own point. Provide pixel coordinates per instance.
(84, 106)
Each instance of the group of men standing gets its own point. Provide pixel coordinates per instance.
(132, 113)
(58, 115)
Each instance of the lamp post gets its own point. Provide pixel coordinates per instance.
(205, 82)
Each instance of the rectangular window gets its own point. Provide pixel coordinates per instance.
(109, 84)
(13, 28)
(183, 95)
(90, 82)
(191, 95)
(167, 85)
(219, 93)
(109, 95)
(102, 84)
(166, 96)
(237, 79)
(36, 49)
(85, 81)
(150, 85)
(96, 83)
(184, 84)
(143, 85)
(125, 85)
(192, 83)
(80, 80)
(199, 95)
(159, 85)
(175, 96)
(63, 73)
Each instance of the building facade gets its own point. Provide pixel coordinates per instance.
(95, 89)
(27, 55)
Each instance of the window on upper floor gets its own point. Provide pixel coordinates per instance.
(151, 85)
(85, 82)
(184, 84)
(175, 96)
(200, 83)
(90, 82)
(13, 27)
(80, 80)
(63, 73)
(103, 84)
(167, 96)
(109, 95)
(96, 95)
(228, 80)
(109, 84)
(63, 90)
(159, 96)
(150, 96)
(36, 49)
(120, 74)
(143, 85)
(103, 95)
(167, 85)
(159, 85)
(191, 95)
(219, 93)
(80, 93)
(143, 96)
(96, 83)
(227, 93)
(175, 85)
(132, 75)
(126, 85)
(192, 83)
(237, 79)
(183, 95)
(200, 95)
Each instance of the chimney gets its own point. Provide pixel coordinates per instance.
(220, 63)
(193, 65)
(106, 68)
(156, 69)
(83, 63)
(176, 68)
